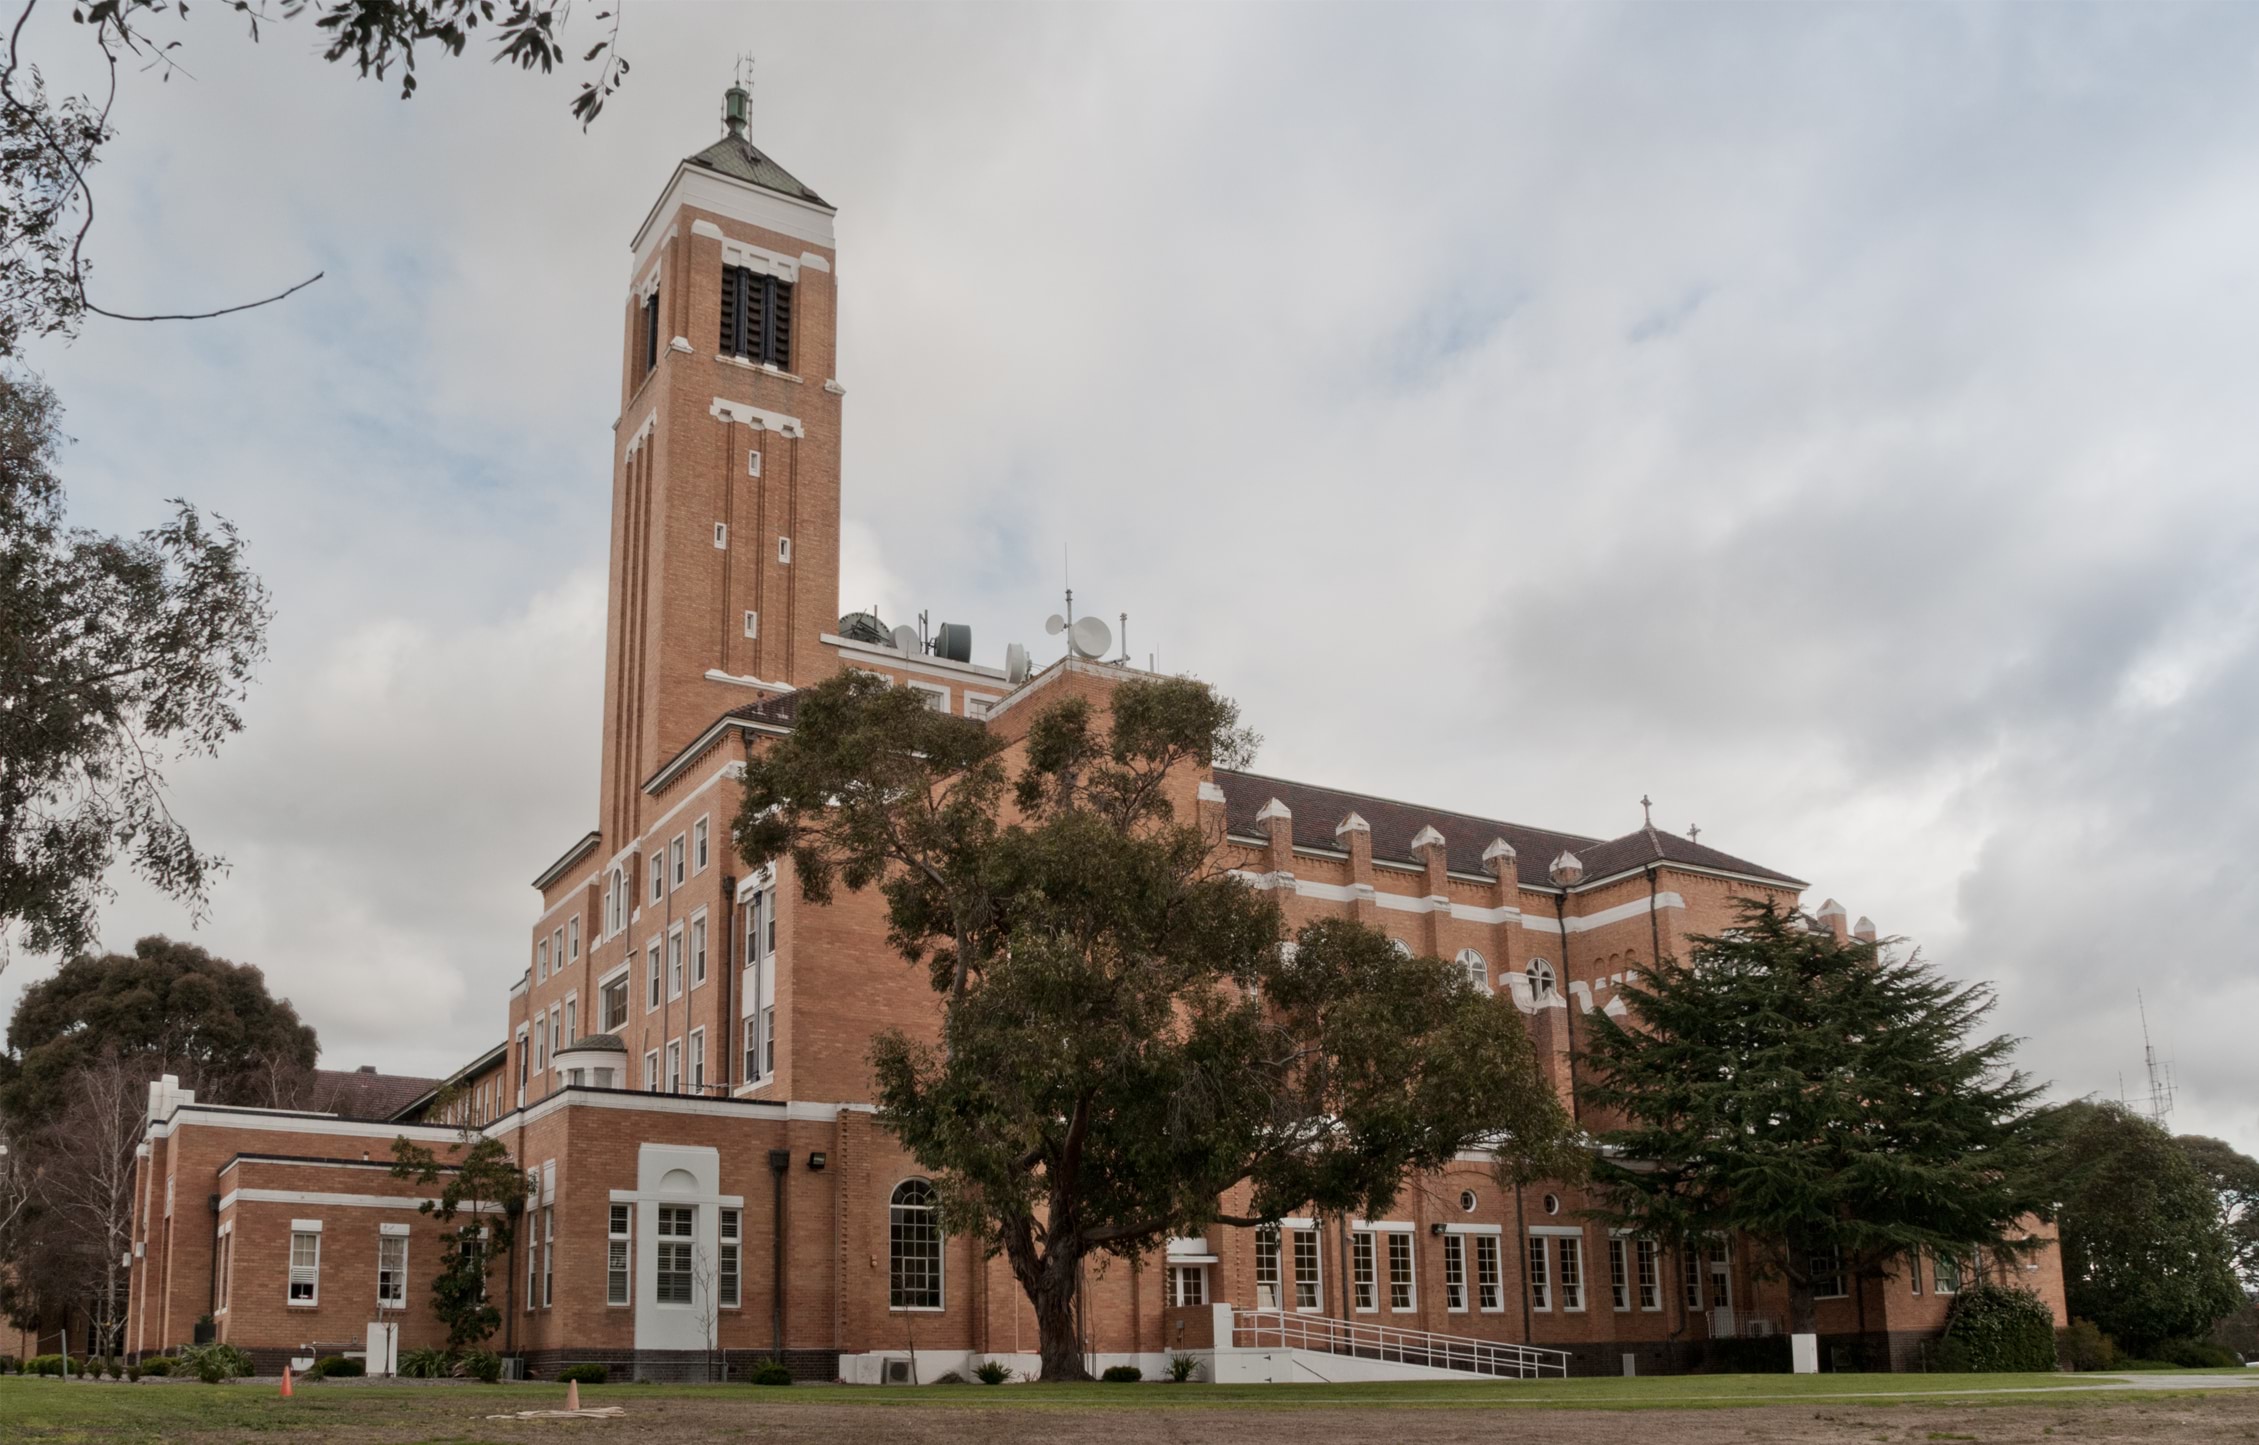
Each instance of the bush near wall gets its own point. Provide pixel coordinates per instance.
(1996, 1328)
(585, 1374)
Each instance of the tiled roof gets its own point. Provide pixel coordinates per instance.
(1317, 810)
(740, 159)
(363, 1093)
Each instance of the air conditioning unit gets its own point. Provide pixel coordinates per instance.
(898, 1373)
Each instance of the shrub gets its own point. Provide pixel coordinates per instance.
(1122, 1375)
(214, 1363)
(116, 1368)
(2083, 1346)
(44, 1365)
(1995, 1328)
(7, 1364)
(78, 1366)
(160, 1365)
(992, 1372)
(484, 1366)
(586, 1374)
(424, 1364)
(950, 1377)
(337, 1367)
(2197, 1355)
(133, 1374)
(769, 1372)
(1183, 1368)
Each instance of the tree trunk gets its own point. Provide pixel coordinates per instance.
(1803, 1314)
(1051, 1279)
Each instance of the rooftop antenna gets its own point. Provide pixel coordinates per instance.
(739, 98)
(2159, 1105)
(1125, 657)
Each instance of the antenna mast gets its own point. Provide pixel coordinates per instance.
(2159, 1105)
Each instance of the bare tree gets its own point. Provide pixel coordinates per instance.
(704, 1279)
(82, 1190)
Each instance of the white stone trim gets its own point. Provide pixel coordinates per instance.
(1274, 809)
(1474, 1228)
(865, 653)
(642, 433)
(738, 200)
(715, 674)
(1354, 823)
(755, 417)
(336, 1201)
(1210, 793)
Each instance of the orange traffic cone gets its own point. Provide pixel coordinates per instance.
(286, 1380)
(572, 1394)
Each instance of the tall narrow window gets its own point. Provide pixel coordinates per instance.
(614, 1003)
(392, 1272)
(572, 935)
(1363, 1288)
(1827, 1273)
(1619, 1275)
(726, 1268)
(305, 1267)
(548, 1256)
(913, 1248)
(674, 1067)
(697, 951)
(616, 1243)
(1455, 1273)
(533, 1253)
(651, 999)
(769, 1040)
(672, 1274)
(1490, 1291)
(1308, 1291)
(756, 317)
(1690, 1278)
(1914, 1268)
(674, 964)
(698, 847)
(1401, 1298)
(1541, 1273)
(1572, 1272)
(220, 1272)
(572, 1020)
(1650, 1275)
(651, 1071)
(698, 1060)
(1946, 1272)
(1188, 1284)
(675, 863)
(1267, 1267)
(651, 331)
(541, 961)
(753, 1069)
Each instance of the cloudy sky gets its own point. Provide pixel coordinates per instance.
(1837, 424)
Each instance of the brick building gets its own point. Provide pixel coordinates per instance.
(682, 1070)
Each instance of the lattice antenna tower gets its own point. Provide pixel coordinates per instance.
(2158, 1106)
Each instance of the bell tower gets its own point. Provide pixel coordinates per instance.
(725, 478)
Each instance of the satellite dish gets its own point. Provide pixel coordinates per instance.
(1055, 625)
(906, 640)
(1090, 637)
(954, 641)
(1015, 663)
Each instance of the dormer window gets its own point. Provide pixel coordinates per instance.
(757, 317)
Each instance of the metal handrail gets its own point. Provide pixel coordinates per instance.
(1257, 1328)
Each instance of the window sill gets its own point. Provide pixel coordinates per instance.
(304, 1304)
(742, 364)
(917, 1309)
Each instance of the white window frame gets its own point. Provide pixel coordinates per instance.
(931, 691)
(1842, 1276)
(619, 1257)
(684, 1237)
(548, 1255)
(541, 960)
(651, 1071)
(721, 536)
(752, 623)
(784, 551)
(729, 1260)
(1295, 1236)
(678, 861)
(309, 1275)
(1647, 1275)
(1619, 1274)
(658, 877)
(1268, 1245)
(627, 993)
(674, 963)
(697, 1075)
(1187, 1281)
(1539, 1267)
(1364, 1272)
(572, 935)
(697, 947)
(673, 1079)
(1494, 1289)
(1406, 1242)
(977, 704)
(751, 1041)
(1476, 967)
(701, 844)
(655, 981)
(1454, 1274)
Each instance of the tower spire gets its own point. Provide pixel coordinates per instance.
(737, 101)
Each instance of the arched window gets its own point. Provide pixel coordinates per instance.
(1541, 978)
(615, 903)
(1477, 968)
(913, 1252)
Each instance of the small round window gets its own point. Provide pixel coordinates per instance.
(1467, 1200)
(1552, 1204)
(1541, 977)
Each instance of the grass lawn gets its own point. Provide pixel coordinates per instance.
(1696, 1407)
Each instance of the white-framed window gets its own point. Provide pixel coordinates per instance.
(674, 1272)
(674, 962)
(1455, 1273)
(220, 1270)
(533, 1253)
(1648, 1273)
(1490, 1289)
(1541, 1273)
(753, 464)
(753, 1069)
(768, 1039)
(618, 1249)
(698, 1061)
(1476, 967)
(698, 950)
(652, 993)
(615, 902)
(1403, 1297)
(658, 878)
(1267, 1267)
(1827, 1273)
(1540, 975)
(1914, 1268)
(541, 961)
(674, 1066)
(701, 846)
(1309, 1281)
(678, 860)
(548, 1255)
(913, 1247)
(572, 935)
(651, 1072)
(612, 1001)
(572, 1018)
(1188, 1284)
(1571, 1260)
(557, 950)
(977, 704)
(1690, 1277)
(1945, 1271)
(540, 1047)
(525, 1057)
(936, 696)
(721, 535)
(752, 624)
(727, 1287)
(1619, 1274)
(556, 1027)
(305, 1266)
(784, 551)
(1364, 1289)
